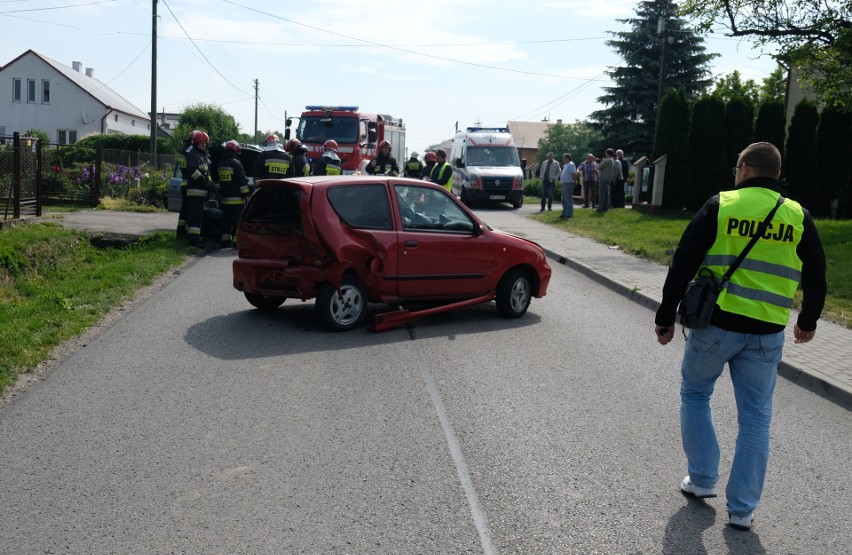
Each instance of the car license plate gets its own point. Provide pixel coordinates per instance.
(497, 197)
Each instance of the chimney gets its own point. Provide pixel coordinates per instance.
(558, 122)
(77, 66)
(90, 72)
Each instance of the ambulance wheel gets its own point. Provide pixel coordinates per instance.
(264, 302)
(342, 311)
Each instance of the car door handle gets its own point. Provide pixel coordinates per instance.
(411, 243)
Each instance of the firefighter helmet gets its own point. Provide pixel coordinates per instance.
(415, 155)
(200, 137)
(430, 157)
(384, 144)
(269, 138)
(292, 145)
(233, 145)
(330, 144)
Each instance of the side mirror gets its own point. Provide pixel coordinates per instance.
(523, 164)
(289, 122)
(459, 163)
(372, 135)
(287, 133)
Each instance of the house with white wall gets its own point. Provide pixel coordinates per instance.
(37, 92)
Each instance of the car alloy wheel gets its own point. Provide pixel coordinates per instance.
(514, 294)
(343, 309)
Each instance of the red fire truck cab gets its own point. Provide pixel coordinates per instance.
(357, 134)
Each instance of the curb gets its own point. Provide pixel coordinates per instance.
(813, 383)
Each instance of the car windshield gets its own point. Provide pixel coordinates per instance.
(492, 156)
(317, 129)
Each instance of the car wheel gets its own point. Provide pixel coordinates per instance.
(514, 293)
(518, 203)
(344, 310)
(264, 302)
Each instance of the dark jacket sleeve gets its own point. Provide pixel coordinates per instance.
(813, 275)
(696, 240)
(436, 174)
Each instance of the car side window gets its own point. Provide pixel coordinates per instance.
(428, 209)
(362, 206)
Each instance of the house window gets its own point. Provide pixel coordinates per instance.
(116, 117)
(45, 91)
(31, 91)
(16, 90)
(66, 136)
(133, 123)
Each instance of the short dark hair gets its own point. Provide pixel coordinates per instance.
(763, 157)
(442, 153)
(610, 152)
(566, 155)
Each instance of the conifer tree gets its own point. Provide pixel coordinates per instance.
(629, 121)
(672, 137)
(834, 144)
(771, 124)
(707, 153)
(739, 127)
(802, 155)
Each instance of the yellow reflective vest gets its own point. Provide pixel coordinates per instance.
(763, 286)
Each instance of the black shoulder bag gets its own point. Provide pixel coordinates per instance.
(698, 303)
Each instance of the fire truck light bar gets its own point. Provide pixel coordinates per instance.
(333, 108)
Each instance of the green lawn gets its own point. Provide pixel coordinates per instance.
(54, 284)
(656, 237)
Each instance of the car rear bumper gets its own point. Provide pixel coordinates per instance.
(276, 277)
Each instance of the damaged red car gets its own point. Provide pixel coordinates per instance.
(348, 241)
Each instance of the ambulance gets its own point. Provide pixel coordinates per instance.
(486, 167)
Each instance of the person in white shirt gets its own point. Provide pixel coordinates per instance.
(550, 171)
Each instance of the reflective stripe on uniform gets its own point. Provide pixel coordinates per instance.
(755, 265)
(192, 192)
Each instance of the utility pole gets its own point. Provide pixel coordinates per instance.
(255, 109)
(154, 125)
(661, 32)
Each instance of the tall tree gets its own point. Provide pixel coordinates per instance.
(834, 144)
(707, 154)
(213, 120)
(774, 86)
(771, 125)
(802, 155)
(739, 126)
(577, 139)
(732, 85)
(630, 119)
(672, 139)
(813, 35)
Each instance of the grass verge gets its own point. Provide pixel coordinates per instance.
(655, 238)
(54, 284)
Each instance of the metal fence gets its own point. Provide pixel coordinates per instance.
(34, 174)
(19, 176)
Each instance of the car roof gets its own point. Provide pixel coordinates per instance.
(325, 181)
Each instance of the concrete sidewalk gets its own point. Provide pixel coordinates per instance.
(823, 365)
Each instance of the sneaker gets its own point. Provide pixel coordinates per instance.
(742, 522)
(689, 488)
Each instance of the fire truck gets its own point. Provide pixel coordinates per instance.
(357, 134)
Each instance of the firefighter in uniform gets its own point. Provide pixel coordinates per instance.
(383, 163)
(746, 331)
(430, 160)
(197, 186)
(298, 151)
(181, 161)
(442, 173)
(272, 162)
(413, 168)
(233, 190)
(329, 162)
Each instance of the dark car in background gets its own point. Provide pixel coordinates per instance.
(350, 240)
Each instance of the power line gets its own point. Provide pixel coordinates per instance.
(57, 7)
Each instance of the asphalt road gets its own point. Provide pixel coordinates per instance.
(197, 424)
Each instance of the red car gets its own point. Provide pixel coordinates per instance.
(350, 240)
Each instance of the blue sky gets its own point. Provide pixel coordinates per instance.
(434, 64)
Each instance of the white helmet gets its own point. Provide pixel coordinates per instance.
(415, 155)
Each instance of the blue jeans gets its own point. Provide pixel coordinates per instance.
(753, 363)
(567, 200)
